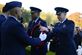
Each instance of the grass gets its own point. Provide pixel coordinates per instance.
(28, 51)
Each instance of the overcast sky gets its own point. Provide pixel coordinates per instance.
(49, 5)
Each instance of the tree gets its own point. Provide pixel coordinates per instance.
(26, 15)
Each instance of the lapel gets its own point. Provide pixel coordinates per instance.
(61, 25)
(64, 24)
(33, 23)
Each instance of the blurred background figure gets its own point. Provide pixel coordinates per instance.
(78, 36)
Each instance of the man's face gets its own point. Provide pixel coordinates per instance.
(34, 15)
(18, 11)
(78, 29)
(61, 16)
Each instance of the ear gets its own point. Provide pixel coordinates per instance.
(16, 12)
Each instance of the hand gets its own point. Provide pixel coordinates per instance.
(50, 28)
(42, 28)
(42, 36)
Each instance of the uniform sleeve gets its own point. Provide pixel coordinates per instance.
(50, 35)
(69, 29)
(23, 36)
(43, 23)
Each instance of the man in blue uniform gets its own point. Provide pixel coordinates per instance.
(13, 35)
(34, 30)
(63, 32)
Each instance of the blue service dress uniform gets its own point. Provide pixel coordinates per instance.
(14, 37)
(2, 19)
(64, 34)
(34, 31)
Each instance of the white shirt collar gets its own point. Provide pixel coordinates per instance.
(63, 21)
(36, 20)
(14, 18)
(5, 15)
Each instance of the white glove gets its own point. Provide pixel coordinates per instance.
(79, 50)
(50, 27)
(42, 36)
